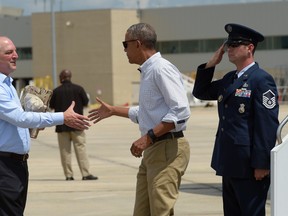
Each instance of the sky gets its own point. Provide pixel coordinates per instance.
(32, 6)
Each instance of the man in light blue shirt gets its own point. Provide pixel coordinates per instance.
(162, 115)
(14, 134)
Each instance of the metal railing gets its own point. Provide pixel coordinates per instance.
(279, 130)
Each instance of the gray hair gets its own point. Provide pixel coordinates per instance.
(144, 33)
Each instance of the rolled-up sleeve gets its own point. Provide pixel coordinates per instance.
(133, 114)
(179, 116)
(171, 86)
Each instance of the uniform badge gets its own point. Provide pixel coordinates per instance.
(269, 99)
(243, 93)
(220, 98)
(241, 108)
(229, 28)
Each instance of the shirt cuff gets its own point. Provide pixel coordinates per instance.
(133, 114)
(58, 118)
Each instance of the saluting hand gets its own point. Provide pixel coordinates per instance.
(217, 57)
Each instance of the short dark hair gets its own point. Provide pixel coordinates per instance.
(65, 75)
(144, 33)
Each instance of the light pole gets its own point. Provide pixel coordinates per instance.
(53, 36)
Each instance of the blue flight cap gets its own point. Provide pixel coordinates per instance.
(242, 33)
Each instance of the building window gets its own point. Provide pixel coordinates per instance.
(211, 45)
(284, 42)
(170, 47)
(24, 53)
(191, 46)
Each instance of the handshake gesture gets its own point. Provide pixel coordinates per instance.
(34, 99)
(75, 120)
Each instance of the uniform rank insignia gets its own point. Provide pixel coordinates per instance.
(269, 100)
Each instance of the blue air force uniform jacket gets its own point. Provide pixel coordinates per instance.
(248, 119)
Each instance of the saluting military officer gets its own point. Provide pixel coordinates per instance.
(248, 121)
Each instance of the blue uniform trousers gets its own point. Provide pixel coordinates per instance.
(245, 196)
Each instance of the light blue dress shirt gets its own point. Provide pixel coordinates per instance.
(162, 96)
(240, 73)
(14, 121)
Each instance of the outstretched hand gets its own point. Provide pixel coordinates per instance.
(75, 120)
(104, 111)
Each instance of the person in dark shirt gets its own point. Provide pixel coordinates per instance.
(62, 96)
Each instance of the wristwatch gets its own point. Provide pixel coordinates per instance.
(152, 136)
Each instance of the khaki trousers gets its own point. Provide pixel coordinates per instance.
(79, 142)
(159, 177)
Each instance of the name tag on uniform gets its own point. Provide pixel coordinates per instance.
(243, 93)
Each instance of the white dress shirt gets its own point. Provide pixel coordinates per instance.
(162, 96)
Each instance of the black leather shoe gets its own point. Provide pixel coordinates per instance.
(69, 178)
(89, 177)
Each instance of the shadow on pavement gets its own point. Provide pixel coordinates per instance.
(202, 188)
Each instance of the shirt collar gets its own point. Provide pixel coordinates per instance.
(245, 69)
(144, 67)
(5, 79)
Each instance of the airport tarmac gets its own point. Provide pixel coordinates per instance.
(108, 144)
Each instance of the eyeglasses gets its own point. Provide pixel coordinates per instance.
(125, 43)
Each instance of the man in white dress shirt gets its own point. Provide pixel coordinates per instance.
(162, 115)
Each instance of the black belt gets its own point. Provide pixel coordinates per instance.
(170, 135)
(20, 157)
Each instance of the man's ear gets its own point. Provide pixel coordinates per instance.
(138, 43)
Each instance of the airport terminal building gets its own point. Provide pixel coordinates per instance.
(89, 43)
